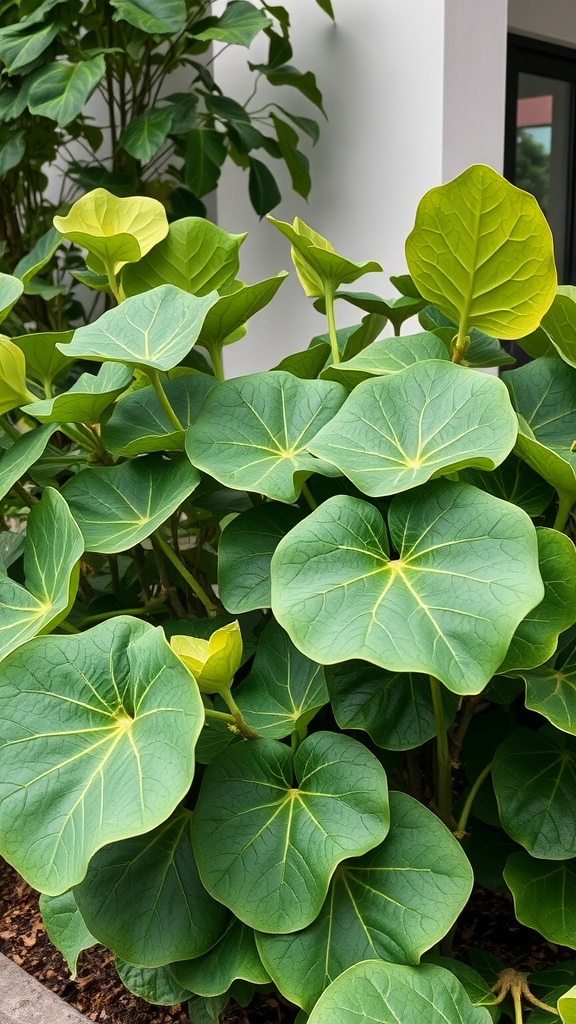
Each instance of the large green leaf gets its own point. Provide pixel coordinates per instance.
(386, 356)
(394, 708)
(252, 432)
(374, 992)
(544, 394)
(395, 902)
(53, 547)
(205, 153)
(465, 576)
(11, 289)
(61, 90)
(284, 687)
(145, 134)
(139, 424)
(513, 481)
(40, 254)
(232, 311)
(235, 957)
(431, 418)
(43, 360)
(244, 554)
(266, 843)
(477, 988)
(86, 400)
(148, 17)
(22, 43)
(114, 230)
(239, 24)
(544, 896)
(534, 777)
(396, 310)
(14, 392)
(567, 1006)
(156, 329)
(65, 927)
(97, 745)
(551, 690)
(118, 506)
(21, 455)
(154, 984)
(142, 898)
(316, 262)
(536, 637)
(481, 251)
(197, 256)
(559, 323)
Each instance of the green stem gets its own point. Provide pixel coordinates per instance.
(112, 281)
(309, 497)
(68, 627)
(217, 364)
(443, 759)
(463, 819)
(329, 299)
(461, 344)
(24, 495)
(187, 576)
(565, 502)
(9, 429)
(243, 728)
(93, 620)
(518, 1017)
(163, 398)
(219, 716)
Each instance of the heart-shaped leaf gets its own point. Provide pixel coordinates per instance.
(448, 605)
(11, 289)
(65, 927)
(375, 992)
(139, 424)
(481, 251)
(233, 958)
(386, 356)
(43, 360)
(534, 777)
(559, 323)
(145, 134)
(21, 455)
(513, 481)
(396, 310)
(13, 376)
(317, 264)
(431, 418)
(146, 16)
(536, 637)
(239, 24)
(156, 329)
(40, 254)
(232, 311)
(476, 987)
(394, 708)
(252, 432)
(118, 506)
(156, 985)
(394, 902)
(97, 745)
(87, 399)
(142, 898)
(544, 896)
(551, 690)
(114, 230)
(544, 394)
(265, 844)
(60, 90)
(284, 687)
(245, 551)
(195, 255)
(53, 547)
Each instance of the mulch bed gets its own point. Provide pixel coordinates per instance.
(487, 923)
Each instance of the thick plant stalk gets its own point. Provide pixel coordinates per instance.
(443, 758)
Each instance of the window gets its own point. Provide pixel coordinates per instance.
(540, 153)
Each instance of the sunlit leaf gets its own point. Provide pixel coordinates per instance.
(115, 230)
(87, 399)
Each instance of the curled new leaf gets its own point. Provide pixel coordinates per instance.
(213, 662)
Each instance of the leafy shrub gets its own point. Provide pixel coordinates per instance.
(345, 588)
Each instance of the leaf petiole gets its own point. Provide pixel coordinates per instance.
(162, 397)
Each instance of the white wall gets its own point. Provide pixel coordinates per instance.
(414, 92)
(554, 20)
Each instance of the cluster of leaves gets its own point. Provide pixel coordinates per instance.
(290, 659)
(138, 135)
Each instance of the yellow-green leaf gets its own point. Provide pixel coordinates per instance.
(213, 662)
(13, 390)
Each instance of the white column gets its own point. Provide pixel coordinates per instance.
(413, 92)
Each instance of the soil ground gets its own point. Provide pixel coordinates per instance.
(487, 923)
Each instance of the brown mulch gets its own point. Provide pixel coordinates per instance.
(97, 992)
(487, 923)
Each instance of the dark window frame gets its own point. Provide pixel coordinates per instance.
(535, 57)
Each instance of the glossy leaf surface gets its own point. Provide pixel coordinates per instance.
(234, 957)
(266, 843)
(114, 230)
(97, 745)
(464, 557)
(544, 896)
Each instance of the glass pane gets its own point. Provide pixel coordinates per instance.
(542, 158)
